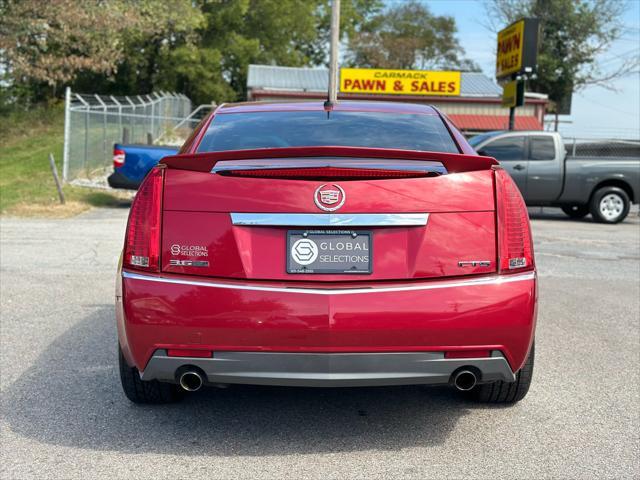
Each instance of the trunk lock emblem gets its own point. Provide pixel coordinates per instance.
(329, 197)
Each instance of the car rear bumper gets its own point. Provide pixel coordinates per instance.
(328, 369)
(274, 333)
(119, 180)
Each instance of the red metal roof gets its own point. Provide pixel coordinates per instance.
(494, 122)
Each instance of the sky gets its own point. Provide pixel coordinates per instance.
(595, 110)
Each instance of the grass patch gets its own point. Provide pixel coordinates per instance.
(26, 184)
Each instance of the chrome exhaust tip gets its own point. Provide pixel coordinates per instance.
(191, 381)
(465, 380)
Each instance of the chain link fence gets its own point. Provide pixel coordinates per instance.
(93, 123)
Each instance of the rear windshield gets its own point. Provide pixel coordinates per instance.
(241, 131)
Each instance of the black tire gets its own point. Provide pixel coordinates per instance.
(576, 211)
(620, 201)
(149, 392)
(506, 392)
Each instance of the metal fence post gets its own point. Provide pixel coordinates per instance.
(87, 122)
(113, 99)
(67, 129)
(104, 127)
(153, 113)
(131, 120)
(160, 100)
(144, 112)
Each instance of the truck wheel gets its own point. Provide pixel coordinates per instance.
(139, 391)
(609, 205)
(506, 392)
(576, 211)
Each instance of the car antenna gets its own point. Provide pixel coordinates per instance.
(332, 97)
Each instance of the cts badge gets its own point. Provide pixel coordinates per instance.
(329, 197)
(188, 263)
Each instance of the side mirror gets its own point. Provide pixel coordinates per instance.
(482, 152)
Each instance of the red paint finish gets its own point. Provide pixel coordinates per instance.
(461, 224)
(480, 317)
(453, 162)
(206, 192)
(398, 252)
(434, 306)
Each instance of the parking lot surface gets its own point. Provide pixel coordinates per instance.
(65, 416)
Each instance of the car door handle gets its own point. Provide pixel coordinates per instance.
(519, 167)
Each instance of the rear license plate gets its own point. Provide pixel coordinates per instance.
(328, 251)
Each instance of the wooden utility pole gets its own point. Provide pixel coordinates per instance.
(333, 59)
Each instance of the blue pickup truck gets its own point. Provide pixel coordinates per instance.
(131, 163)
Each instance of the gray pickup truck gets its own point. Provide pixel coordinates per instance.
(598, 176)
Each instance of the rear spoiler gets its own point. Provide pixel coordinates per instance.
(205, 161)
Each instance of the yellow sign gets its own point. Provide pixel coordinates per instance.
(399, 82)
(510, 49)
(510, 94)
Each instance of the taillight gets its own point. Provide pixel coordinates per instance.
(515, 245)
(142, 241)
(118, 158)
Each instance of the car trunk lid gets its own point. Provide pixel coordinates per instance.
(414, 215)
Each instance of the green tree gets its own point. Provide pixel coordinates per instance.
(573, 34)
(165, 31)
(207, 53)
(280, 32)
(354, 15)
(201, 48)
(408, 36)
(44, 45)
(194, 71)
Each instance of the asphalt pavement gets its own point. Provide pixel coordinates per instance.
(64, 414)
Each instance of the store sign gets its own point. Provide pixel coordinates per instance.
(399, 82)
(517, 48)
(513, 94)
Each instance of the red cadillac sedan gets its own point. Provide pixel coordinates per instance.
(299, 244)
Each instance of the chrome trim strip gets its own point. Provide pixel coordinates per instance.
(331, 219)
(491, 280)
